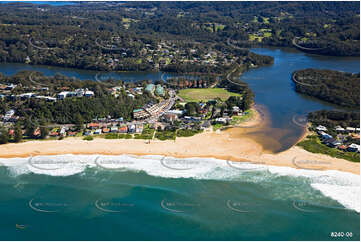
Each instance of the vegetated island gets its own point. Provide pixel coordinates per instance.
(333, 132)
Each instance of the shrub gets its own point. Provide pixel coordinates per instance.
(88, 138)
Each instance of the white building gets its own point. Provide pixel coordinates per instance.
(321, 128)
(80, 92)
(350, 129)
(62, 95)
(10, 113)
(89, 93)
(221, 120)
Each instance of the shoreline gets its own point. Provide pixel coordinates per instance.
(223, 145)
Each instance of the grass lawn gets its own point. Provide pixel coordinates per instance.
(240, 119)
(219, 27)
(218, 126)
(313, 144)
(205, 94)
(265, 20)
(253, 37)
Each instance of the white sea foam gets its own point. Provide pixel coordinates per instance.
(341, 186)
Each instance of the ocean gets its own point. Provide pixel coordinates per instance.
(78, 197)
(53, 3)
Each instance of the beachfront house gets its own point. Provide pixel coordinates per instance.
(62, 131)
(93, 126)
(87, 132)
(123, 129)
(221, 120)
(106, 130)
(321, 128)
(139, 128)
(98, 131)
(333, 143)
(353, 148)
(325, 136)
(114, 129)
(236, 110)
(131, 128)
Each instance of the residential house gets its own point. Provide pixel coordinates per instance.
(139, 128)
(105, 130)
(89, 93)
(54, 134)
(321, 128)
(353, 148)
(170, 117)
(37, 132)
(350, 129)
(123, 129)
(236, 110)
(131, 128)
(72, 133)
(325, 136)
(342, 147)
(333, 143)
(221, 120)
(62, 131)
(114, 129)
(93, 126)
(62, 95)
(11, 132)
(150, 88)
(88, 132)
(339, 129)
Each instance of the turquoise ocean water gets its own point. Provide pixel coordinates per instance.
(155, 198)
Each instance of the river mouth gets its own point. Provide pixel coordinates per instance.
(284, 110)
(273, 140)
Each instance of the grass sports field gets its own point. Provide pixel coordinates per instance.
(205, 94)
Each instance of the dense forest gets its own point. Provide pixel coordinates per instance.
(336, 87)
(124, 36)
(332, 118)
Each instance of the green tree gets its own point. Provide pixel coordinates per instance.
(29, 128)
(44, 131)
(18, 136)
(79, 122)
(4, 136)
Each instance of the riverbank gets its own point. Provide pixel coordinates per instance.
(224, 145)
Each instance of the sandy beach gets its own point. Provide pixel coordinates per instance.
(229, 144)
